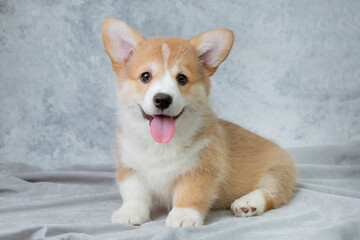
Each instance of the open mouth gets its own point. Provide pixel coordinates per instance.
(162, 127)
(150, 117)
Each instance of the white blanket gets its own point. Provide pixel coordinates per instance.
(77, 202)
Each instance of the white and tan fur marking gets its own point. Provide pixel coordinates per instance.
(166, 53)
(209, 163)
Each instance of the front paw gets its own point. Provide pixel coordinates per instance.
(184, 217)
(130, 215)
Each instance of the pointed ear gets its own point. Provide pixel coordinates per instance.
(213, 47)
(120, 40)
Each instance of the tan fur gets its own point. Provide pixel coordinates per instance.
(236, 161)
(122, 171)
(196, 190)
(252, 157)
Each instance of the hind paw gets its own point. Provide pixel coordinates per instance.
(249, 205)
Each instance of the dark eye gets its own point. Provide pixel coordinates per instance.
(181, 79)
(145, 77)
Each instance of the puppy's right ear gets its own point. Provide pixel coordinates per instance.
(120, 40)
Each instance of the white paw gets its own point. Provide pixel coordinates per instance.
(130, 215)
(184, 217)
(249, 205)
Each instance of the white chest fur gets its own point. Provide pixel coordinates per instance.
(158, 165)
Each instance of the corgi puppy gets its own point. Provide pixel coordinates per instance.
(171, 147)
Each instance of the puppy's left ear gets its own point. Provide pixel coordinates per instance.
(213, 47)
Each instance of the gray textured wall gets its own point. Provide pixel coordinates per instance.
(293, 74)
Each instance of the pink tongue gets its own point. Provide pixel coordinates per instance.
(162, 128)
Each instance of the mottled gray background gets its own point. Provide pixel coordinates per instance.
(293, 74)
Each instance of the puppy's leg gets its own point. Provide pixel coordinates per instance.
(137, 200)
(193, 195)
(274, 189)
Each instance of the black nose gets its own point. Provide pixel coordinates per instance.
(162, 100)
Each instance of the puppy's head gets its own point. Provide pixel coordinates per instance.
(163, 79)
